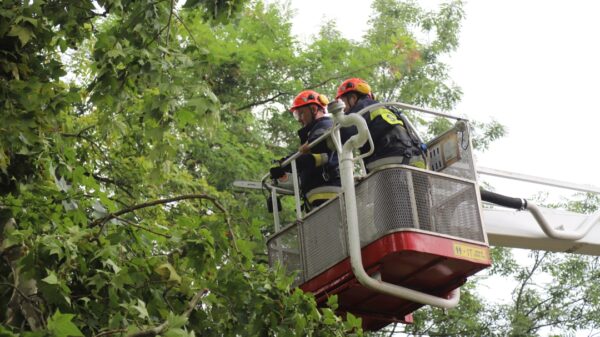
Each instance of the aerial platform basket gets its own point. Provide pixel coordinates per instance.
(420, 231)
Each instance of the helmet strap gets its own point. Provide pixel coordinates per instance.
(313, 111)
(354, 95)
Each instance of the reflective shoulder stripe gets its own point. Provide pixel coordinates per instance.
(419, 164)
(318, 159)
(322, 196)
(387, 116)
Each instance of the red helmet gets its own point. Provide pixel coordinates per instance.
(309, 97)
(354, 84)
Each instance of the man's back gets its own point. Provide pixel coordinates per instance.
(389, 134)
(320, 166)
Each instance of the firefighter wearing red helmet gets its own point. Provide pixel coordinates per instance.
(318, 166)
(393, 143)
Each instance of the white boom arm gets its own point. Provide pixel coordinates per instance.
(518, 229)
(542, 228)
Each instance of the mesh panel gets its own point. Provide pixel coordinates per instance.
(398, 198)
(388, 200)
(383, 204)
(324, 238)
(454, 208)
(285, 248)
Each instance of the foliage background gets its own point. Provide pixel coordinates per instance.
(123, 126)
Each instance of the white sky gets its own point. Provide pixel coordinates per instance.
(531, 65)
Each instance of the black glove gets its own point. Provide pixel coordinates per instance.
(277, 172)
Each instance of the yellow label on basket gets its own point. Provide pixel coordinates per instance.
(470, 252)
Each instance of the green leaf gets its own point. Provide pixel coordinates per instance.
(60, 325)
(332, 302)
(183, 117)
(200, 104)
(142, 310)
(176, 321)
(3, 161)
(168, 273)
(4, 332)
(113, 265)
(31, 21)
(51, 278)
(113, 53)
(353, 321)
(24, 34)
(176, 332)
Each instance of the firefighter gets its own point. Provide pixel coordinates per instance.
(317, 167)
(393, 143)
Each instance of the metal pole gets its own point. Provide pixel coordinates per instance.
(581, 230)
(275, 209)
(412, 107)
(538, 180)
(296, 190)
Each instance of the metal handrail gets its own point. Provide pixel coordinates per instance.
(582, 229)
(362, 112)
(538, 180)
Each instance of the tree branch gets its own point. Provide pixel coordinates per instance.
(119, 184)
(95, 146)
(318, 85)
(345, 75)
(79, 133)
(169, 22)
(267, 100)
(19, 291)
(166, 27)
(29, 310)
(101, 221)
(131, 223)
(186, 28)
(525, 281)
(110, 332)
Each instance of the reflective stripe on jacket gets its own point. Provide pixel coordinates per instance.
(320, 167)
(387, 130)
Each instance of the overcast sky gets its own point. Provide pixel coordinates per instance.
(531, 65)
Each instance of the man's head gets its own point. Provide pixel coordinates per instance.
(351, 90)
(308, 106)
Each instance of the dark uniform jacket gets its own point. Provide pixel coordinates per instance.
(387, 130)
(320, 167)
